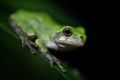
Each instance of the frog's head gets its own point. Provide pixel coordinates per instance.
(70, 37)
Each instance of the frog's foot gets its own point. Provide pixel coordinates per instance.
(53, 60)
(27, 42)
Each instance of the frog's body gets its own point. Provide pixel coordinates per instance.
(49, 33)
(36, 23)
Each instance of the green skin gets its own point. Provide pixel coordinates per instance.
(50, 34)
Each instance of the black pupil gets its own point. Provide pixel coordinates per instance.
(67, 31)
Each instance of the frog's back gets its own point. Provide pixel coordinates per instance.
(35, 23)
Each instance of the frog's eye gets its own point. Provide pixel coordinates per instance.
(67, 32)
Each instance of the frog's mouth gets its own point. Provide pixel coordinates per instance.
(70, 43)
(67, 45)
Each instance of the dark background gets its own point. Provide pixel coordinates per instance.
(89, 60)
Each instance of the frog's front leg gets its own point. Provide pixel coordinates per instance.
(44, 51)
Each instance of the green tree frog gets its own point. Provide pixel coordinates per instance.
(38, 30)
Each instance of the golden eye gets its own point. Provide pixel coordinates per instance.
(67, 31)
